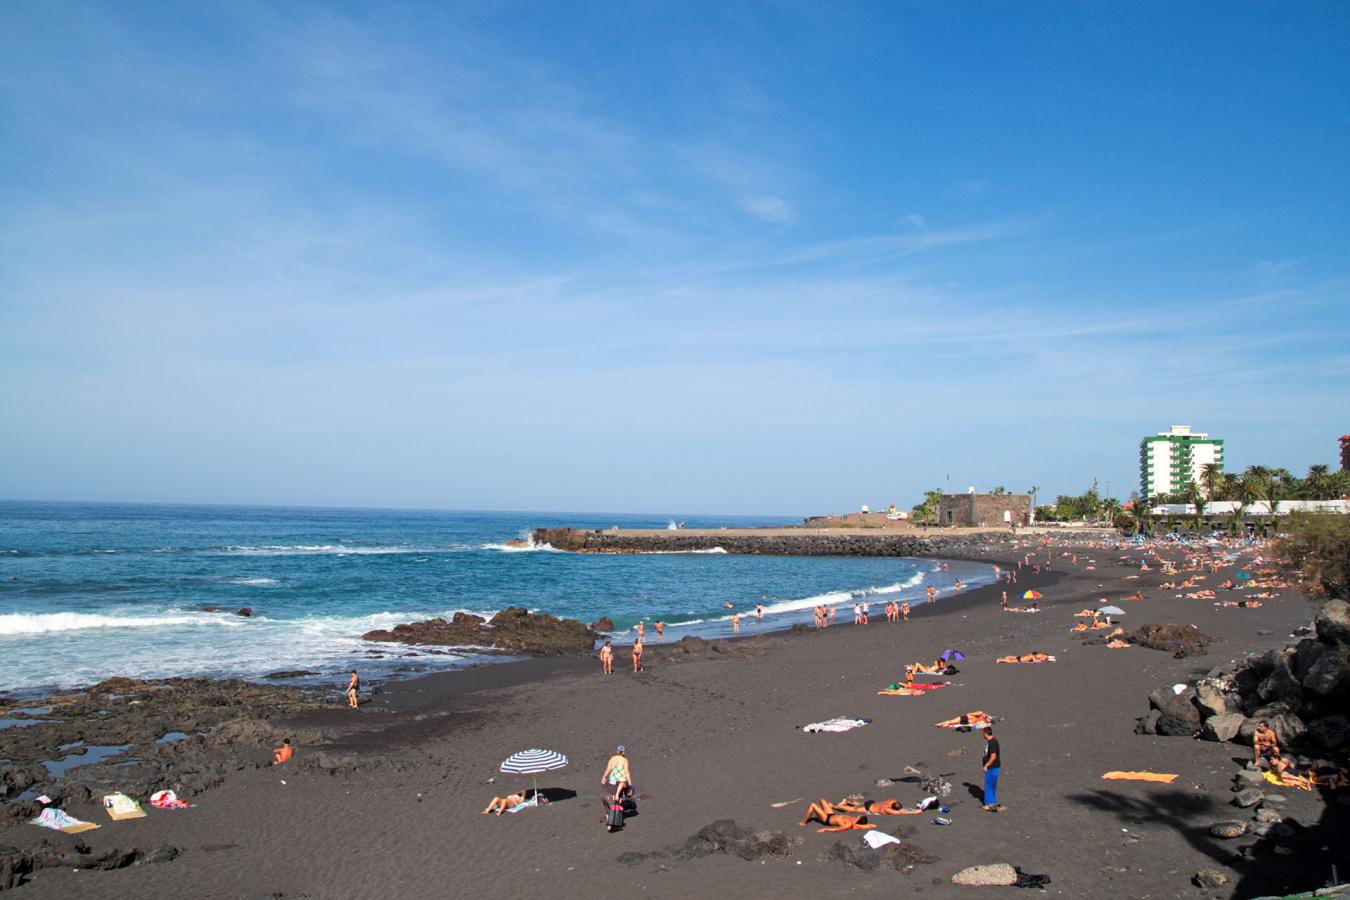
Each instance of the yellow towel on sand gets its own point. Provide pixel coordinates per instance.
(1140, 776)
(120, 806)
(1294, 781)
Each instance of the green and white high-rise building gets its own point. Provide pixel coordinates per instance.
(1170, 460)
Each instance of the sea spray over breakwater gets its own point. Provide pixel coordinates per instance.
(317, 579)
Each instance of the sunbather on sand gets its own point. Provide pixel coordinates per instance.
(1034, 657)
(875, 807)
(971, 719)
(1137, 595)
(500, 805)
(824, 813)
(1116, 644)
(935, 669)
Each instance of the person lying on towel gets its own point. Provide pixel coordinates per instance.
(824, 813)
(1034, 657)
(975, 719)
(500, 805)
(875, 807)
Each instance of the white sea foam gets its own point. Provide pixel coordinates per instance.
(678, 552)
(318, 549)
(46, 623)
(832, 598)
(256, 582)
(527, 545)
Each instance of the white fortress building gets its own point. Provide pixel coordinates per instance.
(1170, 460)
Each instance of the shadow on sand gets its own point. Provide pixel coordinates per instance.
(1312, 849)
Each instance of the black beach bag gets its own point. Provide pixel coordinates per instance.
(614, 820)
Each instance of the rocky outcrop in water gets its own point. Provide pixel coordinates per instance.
(514, 630)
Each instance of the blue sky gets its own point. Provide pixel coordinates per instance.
(760, 258)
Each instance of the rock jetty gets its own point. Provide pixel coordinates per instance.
(514, 629)
(836, 542)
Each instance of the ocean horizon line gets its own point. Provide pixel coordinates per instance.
(197, 504)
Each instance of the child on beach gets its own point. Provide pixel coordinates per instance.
(283, 753)
(736, 623)
(607, 659)
(353, 689)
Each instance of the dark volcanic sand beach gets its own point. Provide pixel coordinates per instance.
(714, 736)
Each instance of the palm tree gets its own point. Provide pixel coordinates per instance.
(1211, 476)
(1032, 492)
(1315, 485)
(1281, 483)
(1195, 495)
(1112, 508)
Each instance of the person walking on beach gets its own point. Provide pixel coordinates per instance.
(1004, 602)
(832, 612)
(607, 659)
(736, 623)
(660, 631)
(865, 610)
(932, 593)
(637, 656)
(353, 688)
(904, 610)
(641, 630)
(618, 773)
(993, 762)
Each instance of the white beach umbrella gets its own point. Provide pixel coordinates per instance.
(1112, 611)
(532, 762)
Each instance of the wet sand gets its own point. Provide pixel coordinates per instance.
(714, 736)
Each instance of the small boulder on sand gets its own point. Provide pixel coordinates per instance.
(1209, 878)
(994, 874)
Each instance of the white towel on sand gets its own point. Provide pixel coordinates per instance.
(837, 724)
(878, 839)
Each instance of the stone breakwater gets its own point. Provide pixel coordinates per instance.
(776, 543)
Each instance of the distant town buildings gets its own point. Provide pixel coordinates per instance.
(1345, 452)
(1169, 460)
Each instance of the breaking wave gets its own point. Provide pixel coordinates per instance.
(46, 623)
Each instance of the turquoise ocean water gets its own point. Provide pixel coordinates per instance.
(93, 590)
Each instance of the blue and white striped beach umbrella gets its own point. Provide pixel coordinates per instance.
(532, 762)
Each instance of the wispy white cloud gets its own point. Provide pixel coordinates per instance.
(1272, 268)
(769, 208)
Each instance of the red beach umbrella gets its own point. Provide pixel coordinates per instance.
(1031, 595)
